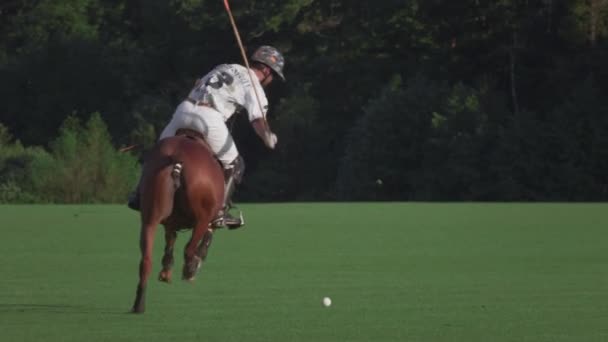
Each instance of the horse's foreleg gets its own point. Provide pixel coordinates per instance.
(192, 260)
(146, 242)
(170, 237)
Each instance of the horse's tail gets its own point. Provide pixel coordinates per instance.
(176, 179)
(156, 205)
(176, 174)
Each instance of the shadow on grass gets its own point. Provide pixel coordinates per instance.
(56, 309)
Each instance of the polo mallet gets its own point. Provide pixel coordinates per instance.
(240, 43)
(128, 148)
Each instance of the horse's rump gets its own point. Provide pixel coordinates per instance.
(201, 180)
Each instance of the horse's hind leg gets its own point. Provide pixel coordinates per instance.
(170, 237)
(192, 260)
(156, 205)
(146, 242)
(203, 247)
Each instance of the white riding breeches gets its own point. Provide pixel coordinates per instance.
(210, 123)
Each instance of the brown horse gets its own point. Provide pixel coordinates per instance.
(182, 187)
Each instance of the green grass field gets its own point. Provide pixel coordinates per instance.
(395, 272)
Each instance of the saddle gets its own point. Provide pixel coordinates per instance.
(198, 136)
(194, 135)
(190, 133)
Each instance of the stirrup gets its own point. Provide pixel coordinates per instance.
(224, 219)
(233, 222)
(217, 222)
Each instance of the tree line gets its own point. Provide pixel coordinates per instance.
(391, 100)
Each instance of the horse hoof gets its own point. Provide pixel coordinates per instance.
(137, 310)
(164, 277)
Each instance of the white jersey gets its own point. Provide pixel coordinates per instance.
(228, 88)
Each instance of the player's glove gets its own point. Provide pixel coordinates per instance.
(270, 140)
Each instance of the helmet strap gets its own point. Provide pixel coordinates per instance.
(267, 72)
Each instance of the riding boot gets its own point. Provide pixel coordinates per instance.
(134, 198)
(232, 175)
(229, 220)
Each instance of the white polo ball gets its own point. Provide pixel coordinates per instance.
(326, 301)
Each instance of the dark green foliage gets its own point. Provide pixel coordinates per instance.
(16, 164)
(81, 167)
(508, 102)
(85, 166)
(426, 141)
(560, 155)
(297, 123)
(417, 141)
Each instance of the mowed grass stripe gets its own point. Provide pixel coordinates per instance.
(394, 271)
